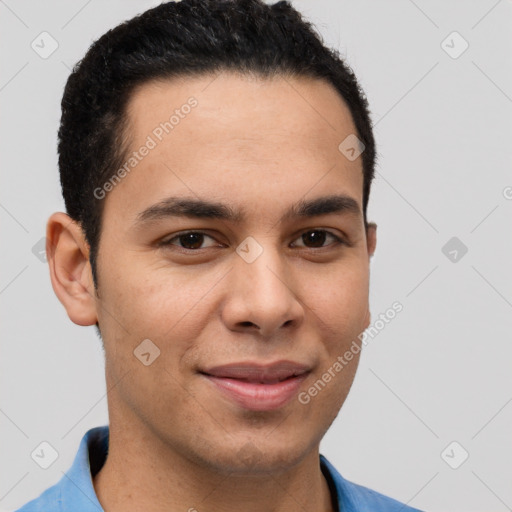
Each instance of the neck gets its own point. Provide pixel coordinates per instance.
(143, 473)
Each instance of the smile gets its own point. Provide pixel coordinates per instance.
(258, 387)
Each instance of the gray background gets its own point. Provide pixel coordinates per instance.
(439, 372)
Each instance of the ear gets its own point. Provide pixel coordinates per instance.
(371, 243)
(371, 238)
(67, 253)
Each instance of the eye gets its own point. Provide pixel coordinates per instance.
(191, 240)
(317, 237)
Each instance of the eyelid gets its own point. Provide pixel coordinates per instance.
(167, 241)
(339, 240)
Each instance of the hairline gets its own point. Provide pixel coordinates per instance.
(124, 123)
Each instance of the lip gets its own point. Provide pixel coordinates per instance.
(258, 387)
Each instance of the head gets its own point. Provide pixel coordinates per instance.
(227, 121)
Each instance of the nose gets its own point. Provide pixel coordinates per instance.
(262, 296)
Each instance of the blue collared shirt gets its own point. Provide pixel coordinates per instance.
(74, 492)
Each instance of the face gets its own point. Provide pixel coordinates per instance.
(269, 274)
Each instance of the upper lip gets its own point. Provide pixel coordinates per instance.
(254, 372)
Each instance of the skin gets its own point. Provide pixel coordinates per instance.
(252, 143)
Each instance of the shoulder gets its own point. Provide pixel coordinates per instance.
(370, 500)
(74, 492)
(353, 497)
(48, 501)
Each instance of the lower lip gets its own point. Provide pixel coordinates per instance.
(257, 396)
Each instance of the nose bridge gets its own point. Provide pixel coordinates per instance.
(261, 266)
(261, 287)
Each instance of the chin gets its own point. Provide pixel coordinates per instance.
(259, 457)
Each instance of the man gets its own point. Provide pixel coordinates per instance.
(216, 162)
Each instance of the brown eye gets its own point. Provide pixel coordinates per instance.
(191, 240)
(315, 238)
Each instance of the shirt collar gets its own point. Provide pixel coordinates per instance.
(77, 489)
(78, 494)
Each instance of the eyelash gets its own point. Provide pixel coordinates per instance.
(167, 243)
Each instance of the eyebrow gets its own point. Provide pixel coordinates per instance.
(203, 209)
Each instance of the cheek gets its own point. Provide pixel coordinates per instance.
(156, 300)
(170, 309)
(341, 301)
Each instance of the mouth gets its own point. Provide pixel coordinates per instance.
(258, 387)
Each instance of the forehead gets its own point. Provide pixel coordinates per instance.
(213, 135)
(242, 105)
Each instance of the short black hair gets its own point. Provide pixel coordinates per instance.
(176, 39)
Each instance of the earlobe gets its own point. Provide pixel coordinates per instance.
(68, 257)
